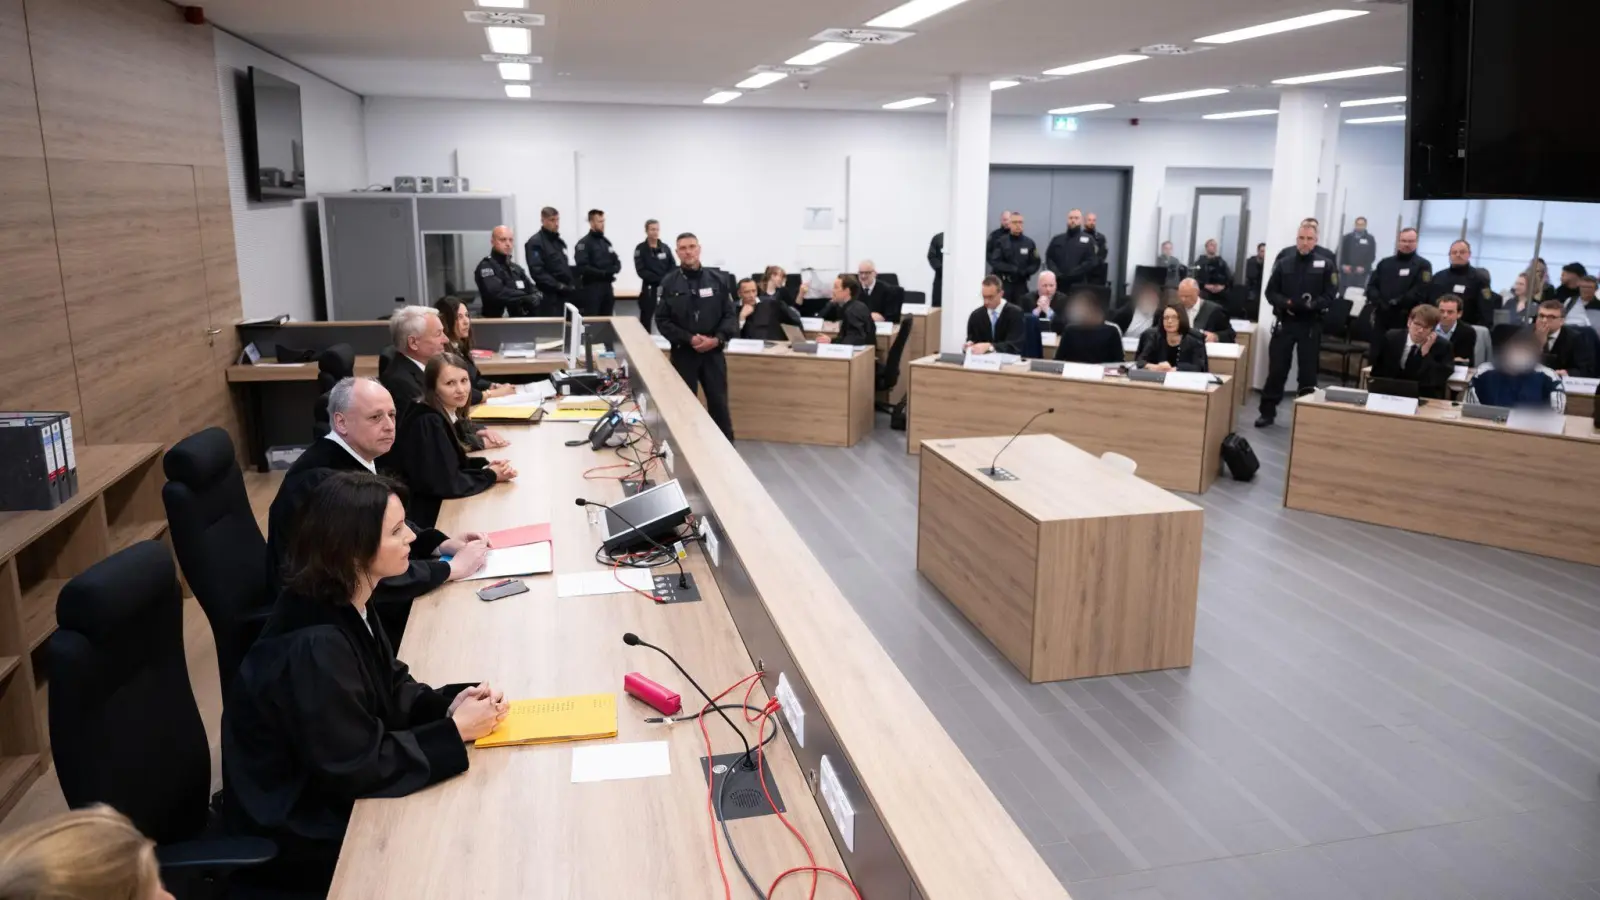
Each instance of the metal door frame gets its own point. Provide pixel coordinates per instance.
(1244, 219)
(1117, 277)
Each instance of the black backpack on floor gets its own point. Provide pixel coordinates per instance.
(1239, 458)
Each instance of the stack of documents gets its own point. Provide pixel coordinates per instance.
(555, 719)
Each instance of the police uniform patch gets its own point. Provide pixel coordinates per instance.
(1427, 275)
(486, 272)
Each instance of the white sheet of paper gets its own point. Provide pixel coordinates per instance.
(1539, 421)
(1189, 381)
(590, 584)
(1402, 406)
(1007, 359)
(915, 309)
(1583, 386)
(983, 362)
(836, 351)
(746, 345)
(1129, 345)
(510, 562)
(1219, 350)
(811, 323)
(1461, 373)
(1083, 371)
(884, 327)
(612, 762)
(662, 342)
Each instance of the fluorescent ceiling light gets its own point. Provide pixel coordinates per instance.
(762, 79)
(1374, 120)
(1255, 31)
(1002, 84)
(912, 12)
(1335, 76)
(1242, 114)
(516, 71)
(909, 102)
(1373, 101)
(1093, 64)
(509, 39)
(1087, 107)
(519, 91)
(722, 97)
(503, 4)
(821, 53)
(1184, 95)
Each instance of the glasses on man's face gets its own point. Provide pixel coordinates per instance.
(1551, 317)
(866, 272)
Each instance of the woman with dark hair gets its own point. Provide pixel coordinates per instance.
(458, 331)
(321, 713)
(431, 444)
(1170, 346)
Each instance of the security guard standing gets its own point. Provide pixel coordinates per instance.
(502, 283)
(1213, 274)
(1397, 285)
(1302, 285)
(1072, 254)
(1469, 283)
(698, 318)
(1014, 258)
(546, 253)
(936, 260)
(652, 260)
(596, 266)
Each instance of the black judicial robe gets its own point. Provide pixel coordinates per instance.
(323, 714)
(433, 464)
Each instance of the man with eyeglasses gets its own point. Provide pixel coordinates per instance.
(1565, 349)
(883, 298)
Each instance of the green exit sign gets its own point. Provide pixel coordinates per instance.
(1063, 123)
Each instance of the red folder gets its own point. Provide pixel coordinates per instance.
(516, 537)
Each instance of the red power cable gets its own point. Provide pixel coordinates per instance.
(617, 574)
(761, 776)
(711, 811)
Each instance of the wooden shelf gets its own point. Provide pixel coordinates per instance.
(125, 536)
(15, 775)
(8, 664)
(39, 611)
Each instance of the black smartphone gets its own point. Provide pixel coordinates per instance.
(502, 589)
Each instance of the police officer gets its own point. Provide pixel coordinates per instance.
(1397, 285)
(596, 265)
(1014, 259)
(502, 283)
(1091, 224)
(698, 318)
(652, 260)
(1469, 283)
(546, 253)
(1301, 286)
(936, 260)
(1356, 252)
(1072, 254)
(1213, 275)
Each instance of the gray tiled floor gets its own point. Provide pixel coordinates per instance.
(1371, 713)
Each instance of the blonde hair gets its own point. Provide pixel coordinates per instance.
(87, 854)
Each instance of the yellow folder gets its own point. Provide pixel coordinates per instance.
(599, 404)
(555, 719)
(575, 415)
(487, 413)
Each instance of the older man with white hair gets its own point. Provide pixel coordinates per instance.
(882, 298)
(418, 336)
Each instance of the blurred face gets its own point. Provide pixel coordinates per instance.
(1569, 279)
(598, 223)
(1084, 312)
(454, 387)
(776, 281)
(1305, 240)
(1166, 248)
(840, 294)
(551, 222)
(430, 343)
(1548, 322)
(1169, 320)
(1407, 242)
(394, 547)
(368, 425)
(1361, 224)
(1519, 356)
(747, 293)
(501, 240)
(1459, 254)
(1075, 219)
(1586, 290)
(1090, 221)
(1211, 248)
(1261, 251)
(463, 323)
(1449, 313)
(1016, 223)
(868, 273)
(653, 231)
(1520, 286)
(689, 253)
(1188, 293)
(991, 296)
(1147, 301)
(1005, 219)
(1540, 272)
(1047, 284)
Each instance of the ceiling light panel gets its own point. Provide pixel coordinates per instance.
(487, 17)
(1335, 76)
(1255, 31)
(912, 12)
(761, 80)
(1087, 107)
(519, 91)
(516, 71)
(1184, 95)
(512, 57)
(910, 102)
(1242, 114)
(1375, 120)
(1094, 64)
(509, 39)
(721, 97)
(1373, 101)
(821, 53)
(503, 4)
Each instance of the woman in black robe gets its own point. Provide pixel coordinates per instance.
(321, 713)
(430, 446)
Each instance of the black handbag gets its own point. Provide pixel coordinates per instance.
(1240, 459)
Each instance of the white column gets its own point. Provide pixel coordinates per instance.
(966, 226)
(1296, 167)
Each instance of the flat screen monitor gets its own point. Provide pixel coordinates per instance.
(274, 146)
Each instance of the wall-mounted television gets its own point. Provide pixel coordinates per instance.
(274, 148)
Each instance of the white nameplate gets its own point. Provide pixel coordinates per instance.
(1539, 421)
(1388, 403)
(811, 323)
(835, 351)
(1130, 345)
(1083, 371)
(884, 328)
(662, 342)
(1584, 386)
(1461, 373)
(1189, 381)
(746, 345)
(985, 362)
(915, 309)
(1219, 350)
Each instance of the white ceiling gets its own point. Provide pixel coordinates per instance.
(646, 51)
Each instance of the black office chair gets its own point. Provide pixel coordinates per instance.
(1337, 338)
(218, 543)
(887, 375)
(385, 357)
(124, 726)
(335, 364)
(889, 278)
(916, 298)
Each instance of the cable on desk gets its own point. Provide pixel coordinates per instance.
(761, 778)
(727, 889)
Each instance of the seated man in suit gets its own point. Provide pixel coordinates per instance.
(1416, 353)
(882, 298)
(763, 318)
(1046, 304)
(1086, 336)
(1207, 319)
(850, 311)
(1566, 350)
(418, 335)
(1462, 338)
(1515, 378)
(996, 326)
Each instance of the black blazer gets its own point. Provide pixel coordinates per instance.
(1090, 344)
(323, 714)
(885, 299)
(1572, 353)
(1008, 329)
(403, 378)
(431, 461)
(1431, 373)
(855, 323)
(1188, 356)
(1464, 342)
(768, 318)
(1210, 316)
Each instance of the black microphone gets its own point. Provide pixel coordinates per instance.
(991, 471)
(633, 640)
(683, 578)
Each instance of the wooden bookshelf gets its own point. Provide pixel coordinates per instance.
(118, 504)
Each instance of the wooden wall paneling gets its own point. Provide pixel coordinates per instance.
(36, 365)
(223, 305)
(126, 81)
(19, 113)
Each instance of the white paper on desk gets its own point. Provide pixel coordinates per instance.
(915, 309)
(836, 351)
(1583, 386)
(747, 345)
(811, 323)
(1400, 406)
(1130, 345)
(885, 327)
(537, 392)
(509, 562)
(262, 365)
(1244, 325)
(1007, 359)
(1220, 350)
(591, 584)
(983, 362)
(662, 342)
(612, 762)
(1083, 371)
(1189, 381)
(1459, 374)
(1539, 421)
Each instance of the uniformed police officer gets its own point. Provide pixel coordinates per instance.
(1072, 254)
(1014, 258)
(698, 318)
(652, 260)
(1302, 285)
(546, 253)
(502, 283)
(1213, 275)
(596, 266)
(1397, 285)
(1469, 283)
(1356, 252)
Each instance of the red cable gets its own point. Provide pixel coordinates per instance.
(711, 811)
(761, 777)
(616, 573)
(814, 870)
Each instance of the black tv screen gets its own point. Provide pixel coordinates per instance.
(274, 149)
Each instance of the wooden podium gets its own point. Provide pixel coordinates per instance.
(1073, 570)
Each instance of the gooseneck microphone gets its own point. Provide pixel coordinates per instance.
(683, 578)
(633, 640)
(992, 470)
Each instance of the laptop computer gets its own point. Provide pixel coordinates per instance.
(794, 334)
(1394, 387)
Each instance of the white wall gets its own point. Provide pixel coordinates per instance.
(1177, 200)
(277, 243)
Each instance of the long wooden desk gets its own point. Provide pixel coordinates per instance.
(924, 340)
(1437, 473)
(1074, 570)
(1232, 360)
(513, 825)
(1174, 435)
(1580, 405)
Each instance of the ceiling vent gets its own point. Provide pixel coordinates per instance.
(790, 70)
(1170, 50)
(512, 57)
(491, 17)
(877, 36)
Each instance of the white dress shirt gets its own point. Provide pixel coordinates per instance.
(371, 467)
